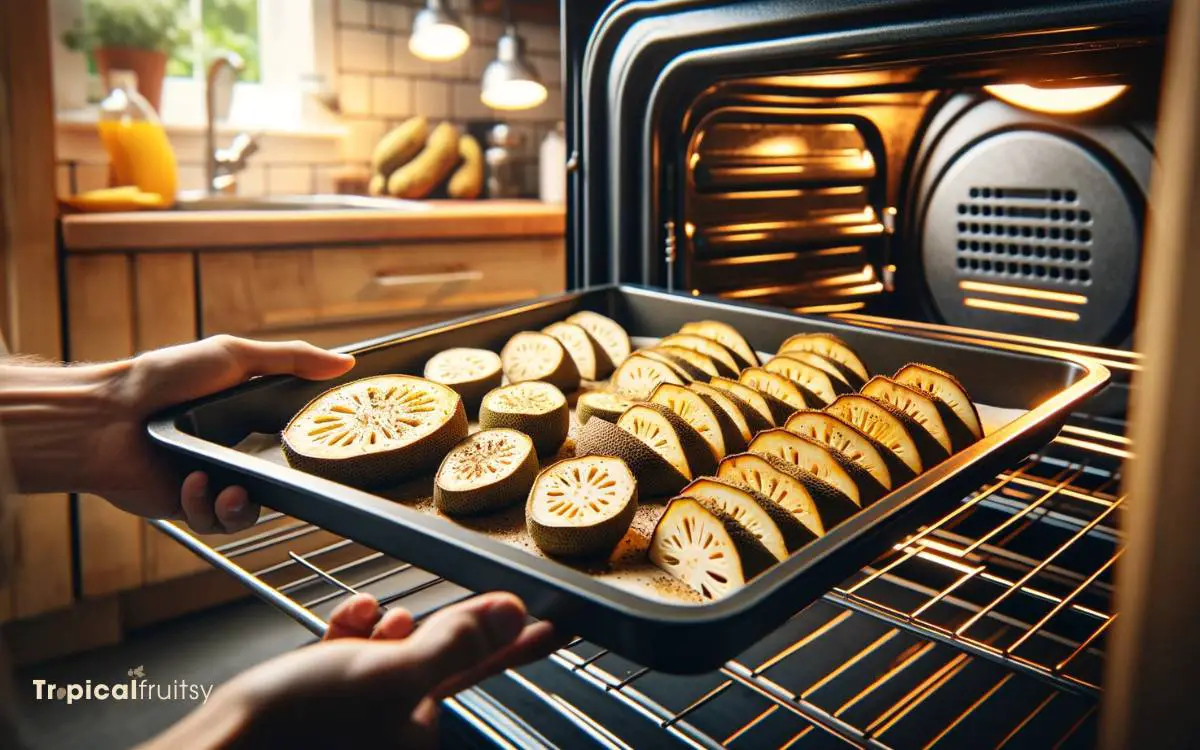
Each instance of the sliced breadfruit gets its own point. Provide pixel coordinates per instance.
(590, 358)
(727, 363)
(755, 398)
(727, 336)
(880, 423)
(607, 331)
(487, 471)
(685, 370)
(949, 394)
(832, 431)
(531, 355)
(788, 396)
(832, 347)
(705, 417)
(469, 372)
(817, 386)
(699, 361)
(814, 502)
(581, 507)
(920, 407)
(822, 461)
(669, 436)
(835, 370)
(706, 549)
(778, 530)
(733, 407)
(656, 477)
(375, 431)
(601, 404)
(638, 376)
(535, 408)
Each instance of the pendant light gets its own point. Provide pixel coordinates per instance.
(509, 81)
(437, 34)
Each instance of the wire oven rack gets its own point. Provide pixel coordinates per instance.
(984, 629)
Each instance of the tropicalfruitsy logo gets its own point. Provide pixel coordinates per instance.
(135, 688)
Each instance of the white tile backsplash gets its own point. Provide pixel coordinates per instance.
(360, 139)
(363, 51)
(392, 97)
(391, 16)
(354, 12)
(354, 94)
(431, 98)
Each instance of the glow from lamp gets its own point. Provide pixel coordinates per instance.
(437, 34)
(509, 81)
(1056, 101)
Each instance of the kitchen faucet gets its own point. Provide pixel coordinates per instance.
(223, 164)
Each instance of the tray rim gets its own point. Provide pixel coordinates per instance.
(164, 430)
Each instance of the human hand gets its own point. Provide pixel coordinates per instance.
(375, 681)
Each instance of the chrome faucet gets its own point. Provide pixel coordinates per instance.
(223, 164)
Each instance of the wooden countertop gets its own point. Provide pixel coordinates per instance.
(200, 230)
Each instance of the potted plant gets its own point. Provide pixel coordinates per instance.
(137, 35)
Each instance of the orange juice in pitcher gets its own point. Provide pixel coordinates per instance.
(135, 140)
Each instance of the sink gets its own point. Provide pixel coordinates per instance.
(204, 202)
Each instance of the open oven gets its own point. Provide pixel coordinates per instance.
(967, 171)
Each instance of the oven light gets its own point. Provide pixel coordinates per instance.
(1057, 101)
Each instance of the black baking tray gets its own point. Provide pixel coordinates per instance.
(669, 637)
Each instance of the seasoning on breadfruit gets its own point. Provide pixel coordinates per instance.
(467, 181)
(879, 423)
(821, 461)
(590, 358)
(778, 530)
(487, 471)
(581, 507)
(818, 387)
(833, 348)
(814, 502)
(602, 405)
(428, 169)
(755, 398)
(704, 416)
(947, 392)
(530, 355)
(726, 335)
(656, 477)
(638, 376)
(706, 548)
(399, 146)
(670, 437)
(728, 364)
(375, 431)
(787, 395)
(535, 408)
(919, 407)
(748, 421)
(848, 441)
(470, 372)
(607, 331)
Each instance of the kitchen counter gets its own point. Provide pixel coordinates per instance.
(200, 230)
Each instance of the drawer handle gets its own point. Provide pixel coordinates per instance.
(414, 279)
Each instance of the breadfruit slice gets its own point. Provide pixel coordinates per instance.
(727, 336)
(728, 364)
(706, 549)
(755, 398)
(704, 416)
(531, 355)
(699, 361)
(947, 393)
(656, 477)
(638, 376)
(778, 530)
(836, 371)
(814, 502)
(589, 357)
(581, 507)
(822, 461)
(816, 384)
(375, 431)
(848, 441)
(788, 396)
(685, 370)
(487, 471)
(535, 408)
(738, 411)
(601, 404)
(470, 372)
(881, 424)
(607, 331)
(670, 437)
(920, 407)
(831, 347)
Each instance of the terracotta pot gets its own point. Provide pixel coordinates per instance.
(149, 65)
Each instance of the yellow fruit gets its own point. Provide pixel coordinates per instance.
(535, 408)
(581, 507)
(399, 145)
(487, 471)
(419, 177)
(467, 181)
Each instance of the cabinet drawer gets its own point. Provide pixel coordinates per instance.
(271, 294)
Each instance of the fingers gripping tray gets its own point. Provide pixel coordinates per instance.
(626, 604)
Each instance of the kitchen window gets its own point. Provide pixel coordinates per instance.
(217, 25)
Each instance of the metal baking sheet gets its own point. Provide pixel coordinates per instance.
(628, 605)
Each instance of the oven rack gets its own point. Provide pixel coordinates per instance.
(1013, 586)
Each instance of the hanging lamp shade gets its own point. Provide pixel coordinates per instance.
(438, 34)
(510, 81)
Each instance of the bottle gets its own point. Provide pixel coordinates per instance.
(552, 167)
(135, 140)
